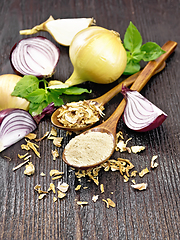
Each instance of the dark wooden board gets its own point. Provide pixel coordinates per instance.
(150, 214)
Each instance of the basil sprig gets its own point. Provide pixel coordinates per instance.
(40, 97)
(137, 52)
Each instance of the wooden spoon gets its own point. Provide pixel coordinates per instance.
(101, 101)
(109, 126)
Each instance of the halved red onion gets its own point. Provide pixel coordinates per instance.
(140, 114)
(14, 125)
(36, 56)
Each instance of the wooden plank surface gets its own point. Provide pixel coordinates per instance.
(150, 214)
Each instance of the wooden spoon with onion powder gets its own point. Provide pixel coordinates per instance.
(96, 145)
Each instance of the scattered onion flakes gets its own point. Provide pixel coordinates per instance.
(41, 196)
(20, 165)
(102, 188)
(133, 173)
(22, 156)
(61, 194)
(31, 136)
(140, 186)
(52, 188)
(95, 198)
(126, 179)
(8, 158)
(57, 177)
(37, 188)
(42, 174)
(143, 172)
(57, 141)
(133, 181)
(81, 203)
(136, 149)
(30, 169)
(153, 163)
(53, 132)
(55, 172)
(31, 145)
(55, 154)
(44, 136)
(63, 187)
(78, 187)
(54, 199)
(109, 203)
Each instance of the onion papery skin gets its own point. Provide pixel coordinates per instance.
(97, 55)
(7, 85)
(15, 124)
(140, 114)
(36, 56)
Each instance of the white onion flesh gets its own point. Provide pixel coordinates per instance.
(14, 125)
(140, 114)
(35, 56)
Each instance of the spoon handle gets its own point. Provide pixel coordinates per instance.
(139, 83)
(102, 100)
(152, 66)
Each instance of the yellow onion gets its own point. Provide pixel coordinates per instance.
(7, 84)
(62, 30)
(97, 55)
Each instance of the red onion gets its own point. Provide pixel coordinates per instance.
(14, 125)
(35, 56)
(140, 114)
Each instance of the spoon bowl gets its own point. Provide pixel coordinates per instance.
(101, 101)
(110, 125)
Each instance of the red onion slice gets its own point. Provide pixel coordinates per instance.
(35, 56)
(140, 114)
(14, 125)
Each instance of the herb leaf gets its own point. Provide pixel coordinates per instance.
(39, 97)
(54, 96)
(152, 51)
(132, 67)
(136, 52)
(36, 108)
(75, 91)
(132, 38)
(26, 85)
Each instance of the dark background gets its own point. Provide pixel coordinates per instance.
(150, 214)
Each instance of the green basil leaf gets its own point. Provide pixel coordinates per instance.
(53, 96)
(131, 68)
(75, 91)
(37, 96)
(132, 38)
(26, 85)
(152, 51)
(137, 56)
(36, 108)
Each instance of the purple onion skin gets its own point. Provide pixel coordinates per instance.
(18, 73)
(156, 123)
(28, 127)
(15, 45)
(5, 112)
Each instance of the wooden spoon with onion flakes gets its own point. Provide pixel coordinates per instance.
(100, 101)
(110, 125)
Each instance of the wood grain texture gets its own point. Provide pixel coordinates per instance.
(150, 214)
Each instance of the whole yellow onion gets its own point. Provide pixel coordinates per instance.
(7, 84)
(97, 55)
